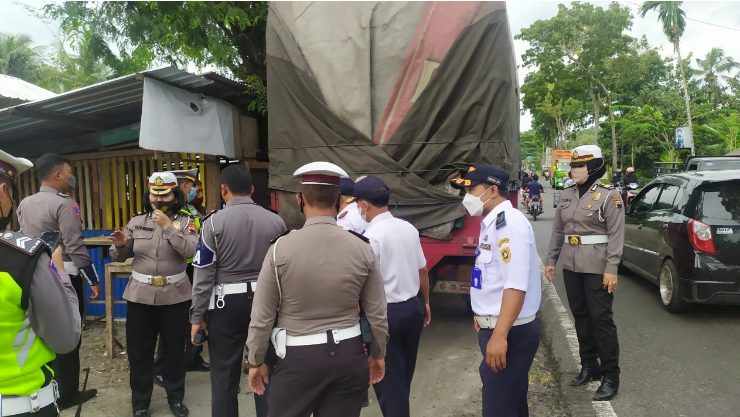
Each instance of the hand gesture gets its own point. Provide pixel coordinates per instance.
(161, 219)
(550, 273)
(119, 238)
(377, 370)
(95, 289)
(610, 282)
(258, 377)
(496, 353)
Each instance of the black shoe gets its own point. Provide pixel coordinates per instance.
(159, 380)
(202, 366)
(607, 390)
(81, 397)
(179, 410)
(141, 413)
(587, 375)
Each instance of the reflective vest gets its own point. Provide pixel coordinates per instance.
(192, 212)
(25, 360)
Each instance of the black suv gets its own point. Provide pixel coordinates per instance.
(682, 231)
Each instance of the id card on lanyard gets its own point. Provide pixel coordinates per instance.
(476, 275)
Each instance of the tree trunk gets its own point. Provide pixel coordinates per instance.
(597, 108)
(686, 96)
(614, 130)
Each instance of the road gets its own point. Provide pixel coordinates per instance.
(672, 365)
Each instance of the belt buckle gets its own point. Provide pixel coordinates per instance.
(574, 239)
(159, 281)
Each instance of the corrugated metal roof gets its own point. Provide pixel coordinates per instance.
(18, 89)
(97, 106)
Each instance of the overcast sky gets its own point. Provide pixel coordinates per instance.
(699, 38)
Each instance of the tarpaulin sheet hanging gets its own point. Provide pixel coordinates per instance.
(434, 118)
(174, 120)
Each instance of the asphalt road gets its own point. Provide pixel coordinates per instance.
(672, 365)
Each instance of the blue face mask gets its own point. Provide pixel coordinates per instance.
(191, 194)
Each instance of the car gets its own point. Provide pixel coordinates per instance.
(712, 163)
(682, 232)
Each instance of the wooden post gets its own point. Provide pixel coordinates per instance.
(212, 183)
(109, 300)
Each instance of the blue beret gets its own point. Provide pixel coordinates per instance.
(371, 187)
(483, 174)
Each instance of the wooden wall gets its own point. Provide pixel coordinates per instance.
(110, 185)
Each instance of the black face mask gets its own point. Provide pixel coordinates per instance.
(5, 220)
(164, 206)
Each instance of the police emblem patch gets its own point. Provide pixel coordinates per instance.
(502, 241)
(76, 208)
(485, 238)
(501, 220)
(506, 255)
(192, 229)
(597, 196)
(341, 216)
(176, 224)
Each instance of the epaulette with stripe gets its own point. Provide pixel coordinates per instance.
(364, 239)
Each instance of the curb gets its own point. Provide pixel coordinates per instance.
(559, 336)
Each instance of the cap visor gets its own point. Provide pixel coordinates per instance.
(462, 183)
(155, 191)
(578, 164)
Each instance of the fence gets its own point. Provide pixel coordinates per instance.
(110, 185)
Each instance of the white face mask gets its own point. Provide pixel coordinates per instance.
(474, 205)
(579, 175)
(363, 216)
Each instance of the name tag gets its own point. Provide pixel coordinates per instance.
(475, 278)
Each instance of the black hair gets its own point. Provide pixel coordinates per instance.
(179, 197)
(198, 182)
(238, 179)
(11, 184)
(48, 163)
(535, 177)
(380, 202)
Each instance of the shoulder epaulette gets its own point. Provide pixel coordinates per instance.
(64, 195)
(571, 185)
(22, 243)
(285, 233)
(607, 186)
(364, 239)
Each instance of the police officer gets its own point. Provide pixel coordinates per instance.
(587, 238)
(403, 266)
(38, 306)
(186, 181)
(53, 209)
(349, 216)
(158, 293)
(504, 291)
(315, 277)
(232, 247)
(198, 200)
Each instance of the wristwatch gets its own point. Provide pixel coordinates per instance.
(250, 366)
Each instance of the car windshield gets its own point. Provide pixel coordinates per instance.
(710, 165)
(719, 201)
(563, 166)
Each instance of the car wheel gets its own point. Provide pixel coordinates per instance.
(670, 290)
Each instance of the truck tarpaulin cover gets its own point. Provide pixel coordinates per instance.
(407, 91)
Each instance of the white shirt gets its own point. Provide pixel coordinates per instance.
(397, 246)
(350, 219)
(507, 257)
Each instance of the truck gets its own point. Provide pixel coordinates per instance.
(560, 164)
(412, 92)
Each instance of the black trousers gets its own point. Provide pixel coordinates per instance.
(143, 324)
(67, 366)
(405, 323)
(228, 328)
(327, 380)
(505, 392)
(591, 306)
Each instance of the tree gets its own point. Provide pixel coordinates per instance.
(17, 57)
(710, 70)
(673, 19)
(227, 34)
(724, 124)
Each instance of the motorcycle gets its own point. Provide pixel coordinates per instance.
(534, 206)
(631, 190)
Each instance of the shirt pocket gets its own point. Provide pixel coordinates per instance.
(589, 207)
(485, 262)
(143, 234)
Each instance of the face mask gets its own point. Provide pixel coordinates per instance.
(474, 205)
(163, 206)
(363, 216)
(191, 194)
(5, 220)
(72, 182)
(579, 175)
(198, 201)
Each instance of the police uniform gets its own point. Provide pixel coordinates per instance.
(232, 247)
(506, 258)
(349, 217)
(587, 239)
(158, 295)
(397, 247)
(39, 304)
(49, 211)
(315, 277)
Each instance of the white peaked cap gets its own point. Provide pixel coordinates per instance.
(320, 173)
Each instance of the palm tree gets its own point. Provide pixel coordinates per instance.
(673, 19)
(17, 57)
(710, 69)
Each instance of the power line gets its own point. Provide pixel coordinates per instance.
(695, 20)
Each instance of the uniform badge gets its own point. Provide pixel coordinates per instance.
(176, 224)
(341, 216)
(485, 238)
(597, 196)
(76, 208)
(485, 246)
(502, 241)
(506, 255)
(501, 220)
(617, 201)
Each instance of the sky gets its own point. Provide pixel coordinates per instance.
(698, 38)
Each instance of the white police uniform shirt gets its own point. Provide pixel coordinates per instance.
(350, 219)
(506, 258)
(398, 249)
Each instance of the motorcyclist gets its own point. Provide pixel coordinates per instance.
(617, 178)
(630, 177)
(535, 189)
